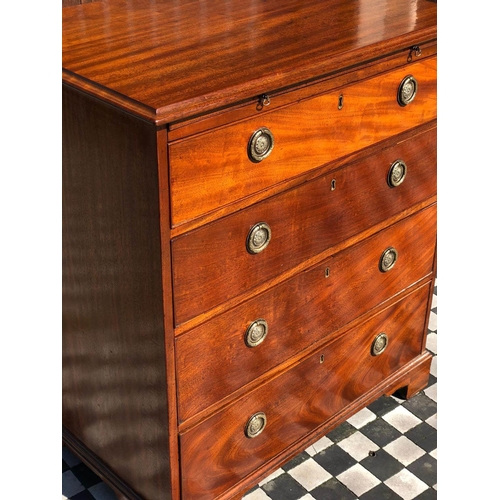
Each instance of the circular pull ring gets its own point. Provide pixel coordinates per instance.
(258, 238)
(379, 344)
(256, 333)
(255, 425)
(388, 259)
(260, 144)
(397, 173)
(407, 90)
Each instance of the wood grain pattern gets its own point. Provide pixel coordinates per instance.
(299, 400)
(213, 170)
(321, 218)
(178, 59)
(300, 312)
(114, 390)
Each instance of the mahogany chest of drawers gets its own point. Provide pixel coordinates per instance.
(249, 230)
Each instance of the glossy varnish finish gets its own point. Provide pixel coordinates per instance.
(160, 98)
(321, 217)
(177, 59)
(301, 311)
(307, 135)
(300, 399)
(113, 336)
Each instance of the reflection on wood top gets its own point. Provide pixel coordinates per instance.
(168, 59)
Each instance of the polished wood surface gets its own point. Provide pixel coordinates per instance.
(307, 135)
(299, 312)
(299, 400)
(166, 60)
(160, 98)
(322, 218)
(113, 336)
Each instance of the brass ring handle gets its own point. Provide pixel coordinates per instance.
(407, 90)
(258, 238)
(379, 344)
(256, 333)
(388, 259)
(260, 144)
(255, 425)
(397, 173)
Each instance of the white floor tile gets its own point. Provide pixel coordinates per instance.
(310, 474)
(406, 485)
(434, 301)
(358, 446)
(358, 479)
(431, 392)
(434, 366)
(70, 484)
(362, 418)
(271, 476)
(433, 321)
(102, 491)
(256, 495)
(404, 450)
(402, 419)
(433, 421)
(319, 445)
(434, 453)
(307, 497)
(431, 343)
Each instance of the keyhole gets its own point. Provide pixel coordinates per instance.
(327, 272)
(322, 358)
(341, 102)
(333, 185)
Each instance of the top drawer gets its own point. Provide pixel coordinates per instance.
(215, 168)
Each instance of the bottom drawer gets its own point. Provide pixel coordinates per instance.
(218, 453)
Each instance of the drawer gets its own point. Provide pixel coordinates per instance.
(217, 453)
(214, 169)
(299, 312)
(212, 263)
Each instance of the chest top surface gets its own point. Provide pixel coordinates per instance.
(169, 59)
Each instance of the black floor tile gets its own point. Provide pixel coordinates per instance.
(344, 430)
(382, 465)
(422, 406)
(85, 475)
(380, 492)
(65, 466)
(383, 405)
(424, 435)
(425, 468)
(83, 495)
(334, 460)
(302, 457)
(284, 487)
(432, 380)
(380, 432)
(332, 490)
(430, 494)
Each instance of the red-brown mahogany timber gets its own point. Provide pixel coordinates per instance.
(114, 380)
(325, 212)
(307, 135)
(299, 400)
(299, 312)
(180, 59)
(145, 79)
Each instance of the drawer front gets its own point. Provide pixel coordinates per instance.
(212, 263)
(299, 312)
(217, 453)
(214, 169)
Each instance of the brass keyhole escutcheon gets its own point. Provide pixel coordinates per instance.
(340, 104)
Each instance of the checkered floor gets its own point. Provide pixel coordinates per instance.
(387, 451)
